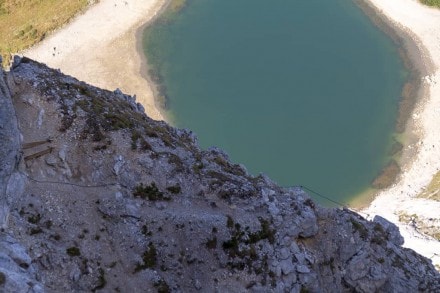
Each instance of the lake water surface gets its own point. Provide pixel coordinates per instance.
(306, 92)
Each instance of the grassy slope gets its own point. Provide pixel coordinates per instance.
(26, 22)
(433, 189)
(431, 2)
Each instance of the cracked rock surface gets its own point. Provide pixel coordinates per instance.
(104, 199)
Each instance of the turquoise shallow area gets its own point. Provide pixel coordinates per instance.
(306, 92)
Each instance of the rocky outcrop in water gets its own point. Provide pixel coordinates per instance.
(105, 199)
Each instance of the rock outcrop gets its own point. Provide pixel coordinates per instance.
(16, 271)
(106, 199)
(9, 146)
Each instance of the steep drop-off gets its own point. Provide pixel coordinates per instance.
(96, 196)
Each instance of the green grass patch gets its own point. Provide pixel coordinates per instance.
(433, 190)
(435, 3)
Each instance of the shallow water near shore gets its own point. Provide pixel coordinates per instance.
(306, 92)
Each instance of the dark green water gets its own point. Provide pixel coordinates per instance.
(304, 91)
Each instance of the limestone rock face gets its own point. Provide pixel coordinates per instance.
(17, 273)
(9, 146)
(105, 199)
(390, 229)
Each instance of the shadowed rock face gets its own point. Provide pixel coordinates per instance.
(106, 199)
(16, 272)
(9, 146)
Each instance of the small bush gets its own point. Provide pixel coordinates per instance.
(162, 287)
(48, 224)
(73, 251)
(101, 280)
(376, 239)
(135, 136)
(232, 246)
(2, 278)
(309, 202)
(229, 222)
(174, 189)
(35, 231)
(363, 232)
(150, 192)
(118, 121)
(34, 219)
(265, 233)
(212, 243)
(197, 167)
(149, 258)
(145, 146)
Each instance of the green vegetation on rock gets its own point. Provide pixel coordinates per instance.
(73, 251)
(149, 258)
(150, 192)
(2, 278)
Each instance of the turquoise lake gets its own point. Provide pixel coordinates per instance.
(306, 92)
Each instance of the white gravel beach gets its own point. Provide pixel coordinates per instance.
(423, 24)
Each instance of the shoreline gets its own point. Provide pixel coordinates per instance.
(414, 94)
(91, 52)
(144, 67)
(420, 27)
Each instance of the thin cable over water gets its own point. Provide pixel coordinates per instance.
(322, 196)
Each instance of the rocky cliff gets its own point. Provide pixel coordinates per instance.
(96, 196)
